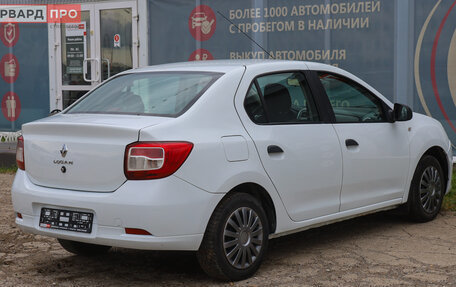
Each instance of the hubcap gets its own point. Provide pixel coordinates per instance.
(430, 189)
(242, 237)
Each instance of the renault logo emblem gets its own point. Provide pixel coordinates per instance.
(64, 150)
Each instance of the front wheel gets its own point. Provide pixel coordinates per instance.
(427, 190)
(236, 238)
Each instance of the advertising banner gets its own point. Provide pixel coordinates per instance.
(435, 62)
(355, 35)
(24, 81)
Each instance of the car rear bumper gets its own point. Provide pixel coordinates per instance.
(173, 211)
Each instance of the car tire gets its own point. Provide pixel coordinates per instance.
(83, 249)
(426, 190)
(236, 238)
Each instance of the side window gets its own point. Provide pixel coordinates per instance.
(351, 102)
(286, 99)
(254, 107)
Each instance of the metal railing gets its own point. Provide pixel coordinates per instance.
(9, 137)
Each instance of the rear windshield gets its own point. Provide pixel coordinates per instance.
(156, 93)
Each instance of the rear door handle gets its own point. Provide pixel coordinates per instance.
(351, 142)
(274, 149)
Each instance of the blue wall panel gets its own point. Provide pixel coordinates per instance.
(435, 62)
(367, 41)
(32, 84)
(387, 51)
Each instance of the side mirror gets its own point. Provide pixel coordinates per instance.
(402, 113)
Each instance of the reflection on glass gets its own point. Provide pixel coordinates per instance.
(70, 97)
(160, 94)
(116, 41)
(75, 47)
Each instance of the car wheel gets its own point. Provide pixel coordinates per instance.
(427, 190)
(236, 238)
(84, 249)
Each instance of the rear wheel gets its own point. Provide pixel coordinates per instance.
(84, 249)
(236, 238)
(427, 190)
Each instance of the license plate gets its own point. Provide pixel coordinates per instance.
(66, 220)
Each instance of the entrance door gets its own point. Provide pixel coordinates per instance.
(103, 44)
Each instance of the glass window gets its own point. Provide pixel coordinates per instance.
(350, 101)
(69, 97)
(287, 98)
(159, 94)
(115, 23)
(254, 107)
(75, 48)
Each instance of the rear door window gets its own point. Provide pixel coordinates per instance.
(280, 98)
(254, 106)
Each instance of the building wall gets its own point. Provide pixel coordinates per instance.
(32, 84)
(405, 49)
(307, 32)
(378, 40)
(435, 62)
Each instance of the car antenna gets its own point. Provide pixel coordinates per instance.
(267, 52)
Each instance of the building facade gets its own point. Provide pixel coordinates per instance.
(405, 49)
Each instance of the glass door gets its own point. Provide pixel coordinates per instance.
(103, 44)
(77, 46)
(117, 45)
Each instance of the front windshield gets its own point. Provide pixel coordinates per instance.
(154, 93)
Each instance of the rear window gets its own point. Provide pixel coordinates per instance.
(156, 93)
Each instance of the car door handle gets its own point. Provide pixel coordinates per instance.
(351, 142)
(274, 149)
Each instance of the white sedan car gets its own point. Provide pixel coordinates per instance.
(218, 157)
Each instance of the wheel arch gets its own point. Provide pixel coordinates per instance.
(439, 154)
(427, 137)
(414, 207)
(260, 193)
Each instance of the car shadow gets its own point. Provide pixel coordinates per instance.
(136, 267)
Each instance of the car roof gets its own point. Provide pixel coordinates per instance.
(221, 66)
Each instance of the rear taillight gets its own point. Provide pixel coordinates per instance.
(20, 153)
(152, 160)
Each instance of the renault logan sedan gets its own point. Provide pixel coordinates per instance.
(218, 157)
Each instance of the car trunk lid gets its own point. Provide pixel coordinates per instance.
(81, 151)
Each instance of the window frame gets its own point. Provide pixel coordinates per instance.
(255, 84)
(304, 73)
(384, 106)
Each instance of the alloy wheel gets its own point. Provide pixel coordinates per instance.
(242, 237)
(430, 189)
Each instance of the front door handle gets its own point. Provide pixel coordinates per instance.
(351, 142)
(274, 149)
